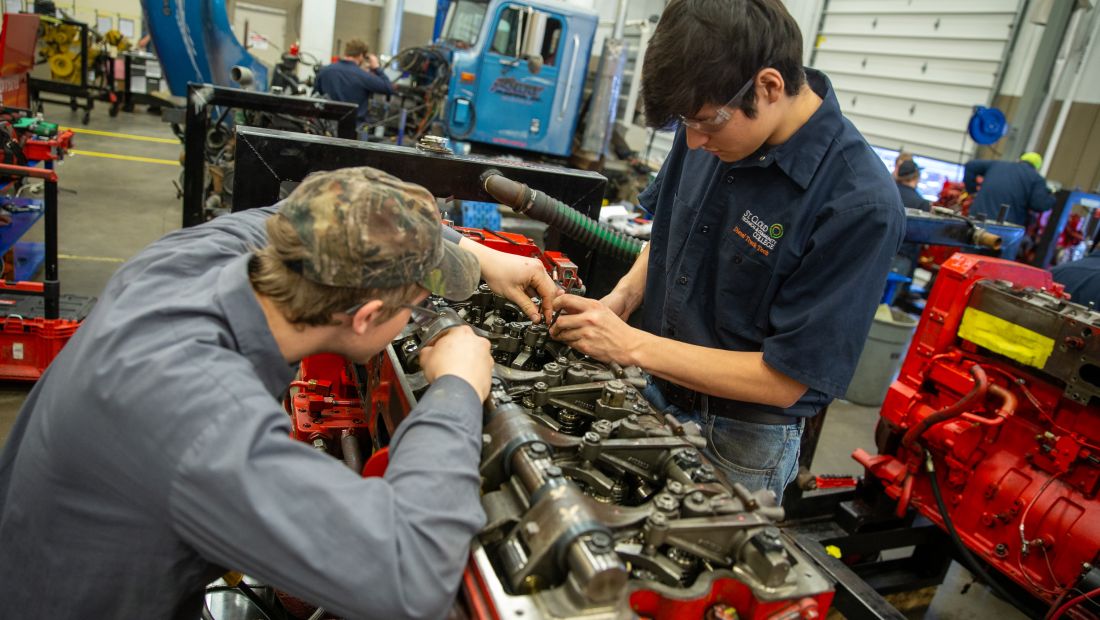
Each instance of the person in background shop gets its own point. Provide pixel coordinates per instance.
(354, 78)
(907, 176)
(1016, 184)
(903, 156)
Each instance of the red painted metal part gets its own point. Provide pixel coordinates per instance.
(558, 265)
(1021, 454)
(327, 401)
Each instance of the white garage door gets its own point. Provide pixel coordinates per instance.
(908, 73)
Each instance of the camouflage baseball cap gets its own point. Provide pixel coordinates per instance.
(366, 228)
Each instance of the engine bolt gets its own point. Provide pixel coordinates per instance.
(540, 386)
(665, 502)
(591, 437)
(537, 449)
(603, 427)
(599, 541)
(553, 471)
(675, 487)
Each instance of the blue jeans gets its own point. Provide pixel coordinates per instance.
(759, 456)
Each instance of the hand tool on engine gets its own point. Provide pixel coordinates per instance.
(432, 323)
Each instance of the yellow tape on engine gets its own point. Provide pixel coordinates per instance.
(1007, 338)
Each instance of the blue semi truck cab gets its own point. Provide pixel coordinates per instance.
(517, 72)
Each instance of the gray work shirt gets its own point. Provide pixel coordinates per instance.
(154, 454)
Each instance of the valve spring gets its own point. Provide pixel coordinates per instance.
(618, 491)
(570, 422)
(687, 562)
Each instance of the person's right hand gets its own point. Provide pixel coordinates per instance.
(372, 62)
(460, 352)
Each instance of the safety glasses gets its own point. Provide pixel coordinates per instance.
(715, 123)
(422, 313)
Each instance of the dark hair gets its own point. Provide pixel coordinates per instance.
(356, 47)
(703, 51)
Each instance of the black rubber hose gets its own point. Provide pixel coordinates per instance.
(558, 215)
(969, 561)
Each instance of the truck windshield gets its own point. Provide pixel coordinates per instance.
(464, 21)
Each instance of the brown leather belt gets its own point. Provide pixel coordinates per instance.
(689, 400)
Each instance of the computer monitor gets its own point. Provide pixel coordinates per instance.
(933, 172)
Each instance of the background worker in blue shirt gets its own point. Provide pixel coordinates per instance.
(906, 179)
(354, 78)
(774, 228)
(1081, 278)
(1017, 184)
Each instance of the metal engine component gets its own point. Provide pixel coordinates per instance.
(1001, 391)
(598, 505)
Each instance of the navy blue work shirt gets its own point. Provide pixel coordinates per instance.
(348, 82)
(1014, 183)
(1081, 278)
(911, 198)
(784, 252)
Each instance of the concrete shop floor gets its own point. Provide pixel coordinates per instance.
(117, 197)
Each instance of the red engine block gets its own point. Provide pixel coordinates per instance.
(1016, 445)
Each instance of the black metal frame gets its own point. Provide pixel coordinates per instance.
(51, 283)
(282, 156)
(202, 97)
(73, 91)
(861, 524)
(1047, 245)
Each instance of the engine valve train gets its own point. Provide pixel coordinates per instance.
(598, 505)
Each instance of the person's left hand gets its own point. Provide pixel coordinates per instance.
(592, 328)
(519, 279)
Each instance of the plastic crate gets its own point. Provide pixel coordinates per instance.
(480, 215)
(27, 346)
(29, 342)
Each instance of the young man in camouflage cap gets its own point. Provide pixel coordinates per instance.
(154, 453)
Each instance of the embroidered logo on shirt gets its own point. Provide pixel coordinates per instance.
(760, 236)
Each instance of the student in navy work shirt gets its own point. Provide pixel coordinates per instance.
(354, 78)
(774, 228)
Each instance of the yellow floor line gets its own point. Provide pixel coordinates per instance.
(147, 160)
(96, 259)
(125, 136)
